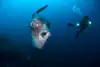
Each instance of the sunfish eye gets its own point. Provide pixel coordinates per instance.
(43, 34)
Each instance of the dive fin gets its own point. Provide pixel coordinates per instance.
(71, 25)
(77, 34)
(41, 9)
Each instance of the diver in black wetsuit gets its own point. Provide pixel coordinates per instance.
(84, 23)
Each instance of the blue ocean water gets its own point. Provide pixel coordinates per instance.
(61, 49)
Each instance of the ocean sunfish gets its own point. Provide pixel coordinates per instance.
(40, 28)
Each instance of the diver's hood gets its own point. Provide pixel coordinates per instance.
(86, 17)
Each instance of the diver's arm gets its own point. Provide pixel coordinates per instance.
(77, 27)
(71, 25)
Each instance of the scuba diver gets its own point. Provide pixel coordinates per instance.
(40, 28)
(84, 23)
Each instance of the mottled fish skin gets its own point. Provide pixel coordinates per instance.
(39, 26)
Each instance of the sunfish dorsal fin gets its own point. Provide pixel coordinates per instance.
(39, 10)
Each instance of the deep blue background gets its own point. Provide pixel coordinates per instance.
(62, 49)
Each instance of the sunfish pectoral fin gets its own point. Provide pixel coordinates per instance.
(41, 9)
(71, 25)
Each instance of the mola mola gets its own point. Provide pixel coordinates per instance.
(40, 28)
